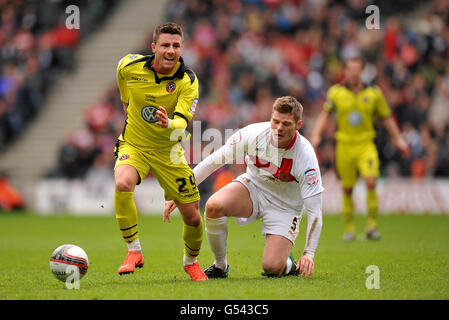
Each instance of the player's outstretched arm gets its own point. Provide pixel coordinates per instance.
(313, 208)
(320, 124)
(166, 122)
(204, 169)
(397, 140)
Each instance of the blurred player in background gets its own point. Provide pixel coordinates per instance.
(281, 182)
(159, 95)
(356, 106)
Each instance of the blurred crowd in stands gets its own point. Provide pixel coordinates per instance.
(246, 53)
(35, 48)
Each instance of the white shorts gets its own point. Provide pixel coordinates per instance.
(276, 218)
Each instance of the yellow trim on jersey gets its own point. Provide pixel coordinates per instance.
(145, 90)
(356, 112)
(177, 123)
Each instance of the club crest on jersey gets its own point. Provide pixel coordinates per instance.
(124, 157)
(149, 114)
(171, 86)
(311, 177)
(193, 105)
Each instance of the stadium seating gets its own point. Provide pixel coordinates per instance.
(35, 49)
(246, 53)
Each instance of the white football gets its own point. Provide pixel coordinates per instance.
(66, 260)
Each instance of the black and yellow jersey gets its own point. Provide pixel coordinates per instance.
(145, 90)
(356, 112)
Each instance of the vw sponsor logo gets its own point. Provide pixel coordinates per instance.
(149, 114)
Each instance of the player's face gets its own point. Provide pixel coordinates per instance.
(283, 128)
(167, 51)
(353, 72)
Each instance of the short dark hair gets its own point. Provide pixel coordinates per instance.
(289, 104)
(168, 27)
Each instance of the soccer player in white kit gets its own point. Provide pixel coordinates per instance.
(281, 182)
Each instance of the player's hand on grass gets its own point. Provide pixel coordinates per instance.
(162, 117)
(305, 266)
(169, 207)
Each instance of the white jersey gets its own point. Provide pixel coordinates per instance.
(288, 175)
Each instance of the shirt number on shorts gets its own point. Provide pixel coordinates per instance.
(294, 224)
(182, 184)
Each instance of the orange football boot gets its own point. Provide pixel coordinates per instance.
(133, 259)
(195, 272)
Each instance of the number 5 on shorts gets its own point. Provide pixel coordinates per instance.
(295, 224)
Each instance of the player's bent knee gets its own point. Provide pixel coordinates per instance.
(214, 209)
(273, 267)
(124, 184)
(190, 213)
(193, 220)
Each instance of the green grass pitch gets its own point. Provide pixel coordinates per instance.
(412, 257)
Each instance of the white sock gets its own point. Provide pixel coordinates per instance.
(217, 234)
(288, 266)
(186, 260)
(134, 245)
